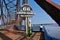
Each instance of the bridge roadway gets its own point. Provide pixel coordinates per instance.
(9, 34)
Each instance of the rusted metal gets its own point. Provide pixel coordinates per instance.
(54, 4)
(52, 9)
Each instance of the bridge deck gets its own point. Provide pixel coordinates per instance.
(19, 35)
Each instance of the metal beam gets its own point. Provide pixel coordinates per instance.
(17, 17)
(8, 13)
(5, 5)
(2, 15)
(51, 10)
(10, 2)
(25, 2)
(18, 5)
(0, 4)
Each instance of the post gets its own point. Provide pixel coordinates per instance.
(26, 25)
(25, 2)
(18, 17)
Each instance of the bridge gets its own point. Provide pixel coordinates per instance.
(51, 8)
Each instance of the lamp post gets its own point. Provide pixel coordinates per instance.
(26, 11)
(26, 25)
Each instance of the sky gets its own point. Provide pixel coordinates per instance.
(56, 1)
(40, 16)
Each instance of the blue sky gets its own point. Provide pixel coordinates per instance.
(56, 1)
(40, 16)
